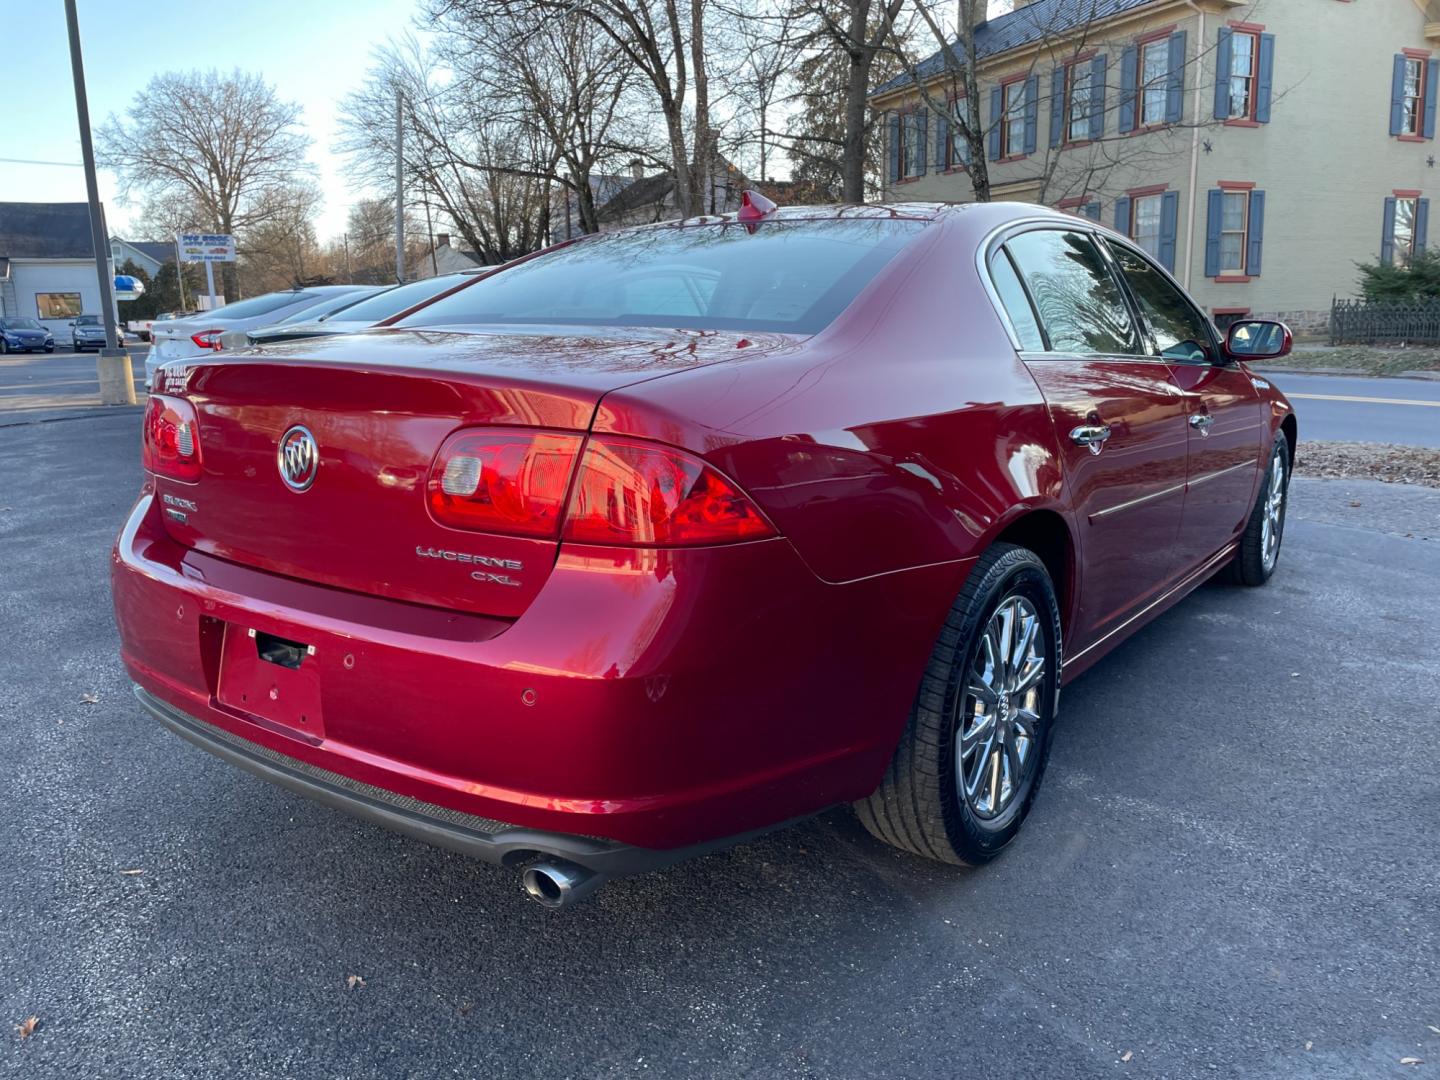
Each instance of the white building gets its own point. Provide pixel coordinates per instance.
(47, 264)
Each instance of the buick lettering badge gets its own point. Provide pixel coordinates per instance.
(298, 458)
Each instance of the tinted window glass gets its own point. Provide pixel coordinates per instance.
(1015, 302)
(788, 276)
(262, 305)
(395, 300)
(1179, 330)
(20, 324)
(330, 305)
(88, 320)
(1078, 299)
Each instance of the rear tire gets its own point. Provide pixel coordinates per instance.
(949, 793)
(1259, 552)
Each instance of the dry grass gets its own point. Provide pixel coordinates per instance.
(1370, 461)
(1361, 359)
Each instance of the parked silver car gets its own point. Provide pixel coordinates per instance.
(88, 332)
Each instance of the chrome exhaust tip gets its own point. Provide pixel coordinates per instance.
(555, 884)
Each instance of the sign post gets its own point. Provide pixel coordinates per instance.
(207, 248)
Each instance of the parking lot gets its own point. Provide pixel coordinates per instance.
(1231, 871)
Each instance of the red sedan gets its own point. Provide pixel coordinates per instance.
(664, 537)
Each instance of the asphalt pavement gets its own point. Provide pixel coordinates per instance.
(1231, 870)
(50, 384)
(1360, 409)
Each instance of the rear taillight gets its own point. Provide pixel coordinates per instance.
(639, 494)
(503, 481)
(170, 444)
(627, 492)
(207, 339)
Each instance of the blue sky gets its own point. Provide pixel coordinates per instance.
(312, 51)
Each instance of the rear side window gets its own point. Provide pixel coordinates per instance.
(1076, 296)
(1016, 303)
(786, 276)
(263, 305)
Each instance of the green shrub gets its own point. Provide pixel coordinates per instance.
(1420, 280)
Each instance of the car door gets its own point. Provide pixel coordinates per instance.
(1224, 413)
(1118, 414)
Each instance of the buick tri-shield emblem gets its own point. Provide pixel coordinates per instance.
(298, 458)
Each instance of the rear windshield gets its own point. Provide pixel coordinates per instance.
(263, 305)
(87, 320)
(330, 305)
(395, 300)
(786, 276)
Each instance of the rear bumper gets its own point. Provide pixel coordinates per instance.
(643, 701)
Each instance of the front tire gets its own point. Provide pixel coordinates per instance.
(970, 761)
(1260, 543)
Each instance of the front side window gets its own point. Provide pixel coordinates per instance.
(783, 276)
(1402, 235)
(1413, 100)
(1014, 129)
(1077, 100)
(1244, 55)
(57, 305)
(1234, 225)
(1176, 327)
(1154, 78)
(1145, 223)
(1077, 298)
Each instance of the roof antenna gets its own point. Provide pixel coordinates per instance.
(754, 206)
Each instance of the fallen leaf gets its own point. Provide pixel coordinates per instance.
(352, 981)
(90, 699)
(1294, 674)
(132, 872)
(1127, 1055)
(1412, 1061)
(26, 1027)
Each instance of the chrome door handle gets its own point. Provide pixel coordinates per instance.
(1091, 436)
(1201, 422)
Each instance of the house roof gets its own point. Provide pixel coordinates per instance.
(646, 191)
(1036, 21)
(45, 230)
(160, 250)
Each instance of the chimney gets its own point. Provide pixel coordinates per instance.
(637, 171)
(442, 239)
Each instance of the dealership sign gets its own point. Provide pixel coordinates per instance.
(206, 247)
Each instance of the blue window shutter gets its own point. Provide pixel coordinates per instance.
(1097, 97)
(1169, 218)
(1223, 59)
(1128, 60)
(1422, 223)
(920, 118)
(1266, 78)
(1175, 83)
(1032, 111)
(894, 147)
(1213, 221)
(1432, 68)
(996, 105)
(1122, 215)
(942, 141)
(1387, 233)
(1091, 210)
(1256, 238)
(1057, 107)
(1397, 97)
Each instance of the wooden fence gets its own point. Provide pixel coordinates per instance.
(1366, 322)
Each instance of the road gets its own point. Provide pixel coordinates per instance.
(1231, 870)
(1358, 409)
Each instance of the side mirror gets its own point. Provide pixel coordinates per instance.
(1257, 339)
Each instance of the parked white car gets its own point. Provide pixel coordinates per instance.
(200, 334)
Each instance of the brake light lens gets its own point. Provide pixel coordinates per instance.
(636, 494)
(501, 481)
(170, 443)
(207, 339)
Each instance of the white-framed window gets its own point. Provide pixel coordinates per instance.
(57, 305)
(1244, 73)
(1077, 102)
(1413, 99)
(1145, 212)
(1154, 81)
(1234, 230)
(1013, 125)
(1402, 233)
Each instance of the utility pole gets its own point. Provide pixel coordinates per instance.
(399, 186)
(117, 379)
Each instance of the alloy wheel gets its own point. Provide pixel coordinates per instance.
(997, 729)
(1272, 523)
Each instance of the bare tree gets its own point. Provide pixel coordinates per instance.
(224, 142)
